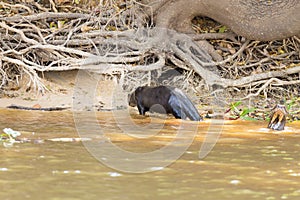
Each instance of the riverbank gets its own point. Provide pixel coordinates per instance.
(86, 91)
(62, 91)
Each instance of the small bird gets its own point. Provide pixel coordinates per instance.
(278, 117)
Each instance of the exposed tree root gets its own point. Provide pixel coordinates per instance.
(110, 42)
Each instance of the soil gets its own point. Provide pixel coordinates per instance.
(62, 91)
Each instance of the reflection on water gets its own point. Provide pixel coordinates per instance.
(248, 162)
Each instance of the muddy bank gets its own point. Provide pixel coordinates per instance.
(74, 90)
(64, 90)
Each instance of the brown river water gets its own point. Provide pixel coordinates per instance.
(146, 158)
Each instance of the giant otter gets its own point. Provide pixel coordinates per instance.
(171, 100)
(278, 117)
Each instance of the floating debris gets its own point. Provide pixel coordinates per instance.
(235, 182)
(156, 168)
(66, 172)
(11, 132)
(114, 174)
(9, 137)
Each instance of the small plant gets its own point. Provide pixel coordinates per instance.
(291, 107)
(238, 113)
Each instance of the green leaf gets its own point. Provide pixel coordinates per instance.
(222, 29)
(53, 25)
(236, 104)
(246, 111)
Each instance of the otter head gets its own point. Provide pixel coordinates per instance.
(132, 101)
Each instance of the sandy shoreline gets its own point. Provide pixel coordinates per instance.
(64, 90)
(59, 94)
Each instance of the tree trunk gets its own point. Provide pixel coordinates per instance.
(259, 20)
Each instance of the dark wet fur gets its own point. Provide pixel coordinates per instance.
(171, 100)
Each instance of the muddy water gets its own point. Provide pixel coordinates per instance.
(247, 162)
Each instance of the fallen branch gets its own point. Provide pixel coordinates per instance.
(40, 109)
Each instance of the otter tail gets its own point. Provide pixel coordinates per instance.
(182, 106)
